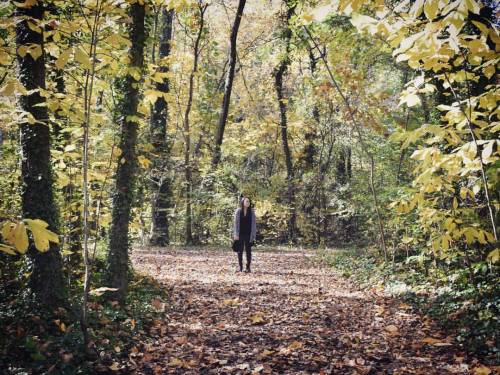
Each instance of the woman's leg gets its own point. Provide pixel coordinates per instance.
(240, 259)
(248, 250)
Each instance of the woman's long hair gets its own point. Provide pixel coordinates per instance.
(242, 200)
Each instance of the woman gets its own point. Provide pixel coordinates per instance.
(244, 229)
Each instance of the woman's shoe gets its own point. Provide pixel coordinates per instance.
(247, 270)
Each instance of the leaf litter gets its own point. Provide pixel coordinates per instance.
(290, 315)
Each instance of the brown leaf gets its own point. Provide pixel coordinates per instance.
(114, 367)
(392, 329)
(257, 318)
(158, 304)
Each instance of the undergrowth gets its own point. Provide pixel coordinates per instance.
(34, 341)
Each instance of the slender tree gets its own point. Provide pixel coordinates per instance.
(126, 170)
(187, 135)
(161, 189)
(228, 86)
(46, 278)
(279, 73)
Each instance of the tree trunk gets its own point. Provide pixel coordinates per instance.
(309, 152)
(125, 174)
(279, 73)
(187, 136)
(161, 191)
(343, 169)
(46, 279)
(228, 85)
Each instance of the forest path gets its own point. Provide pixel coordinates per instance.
(289, 316)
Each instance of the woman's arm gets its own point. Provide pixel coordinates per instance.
(253, 231)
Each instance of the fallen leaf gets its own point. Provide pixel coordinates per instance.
(257, 318)
(115, 366)
(482, 370)
(391, 329)
(158, 304)
(100, 291)
(435, 342)
(175, 362)
(295, 345)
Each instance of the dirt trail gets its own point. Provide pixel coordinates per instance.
(289, 316)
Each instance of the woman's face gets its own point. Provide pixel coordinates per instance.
(246, 202)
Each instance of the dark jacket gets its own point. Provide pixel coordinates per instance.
(236, 224)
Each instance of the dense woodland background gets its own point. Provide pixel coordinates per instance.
(350, 124)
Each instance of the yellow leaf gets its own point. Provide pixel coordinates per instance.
(482, 27)
(22, 51)
(431, 8)
(21, 238)
(7, 249)
(8, 89)
(41, 235)
(416, 8)
(8, 232)
(231, 302)
(143, 162)
(35, 51)
(34, 27)
(482, 370)
(489, 71)
(307, 17)
(463, 192)
(295, 345)
(82, 57)
(116, 40)
(257, 318)
(4, 58)
(445, 243)
(63, 59)
(494, 256)
(175, 362)
(472, 6)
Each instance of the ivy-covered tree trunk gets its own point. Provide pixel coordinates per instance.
(118, 258)
(279, 73)
(46, 278)
(228, 86)
(161, 191)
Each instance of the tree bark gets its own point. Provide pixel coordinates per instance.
(46, 278)
(309, 152)
(187, 136)
(228, 85)
(161, 189)
(279, 73)
(125, 174)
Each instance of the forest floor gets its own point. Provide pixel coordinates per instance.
(291, 315)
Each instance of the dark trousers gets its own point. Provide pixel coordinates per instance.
(247, 247)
